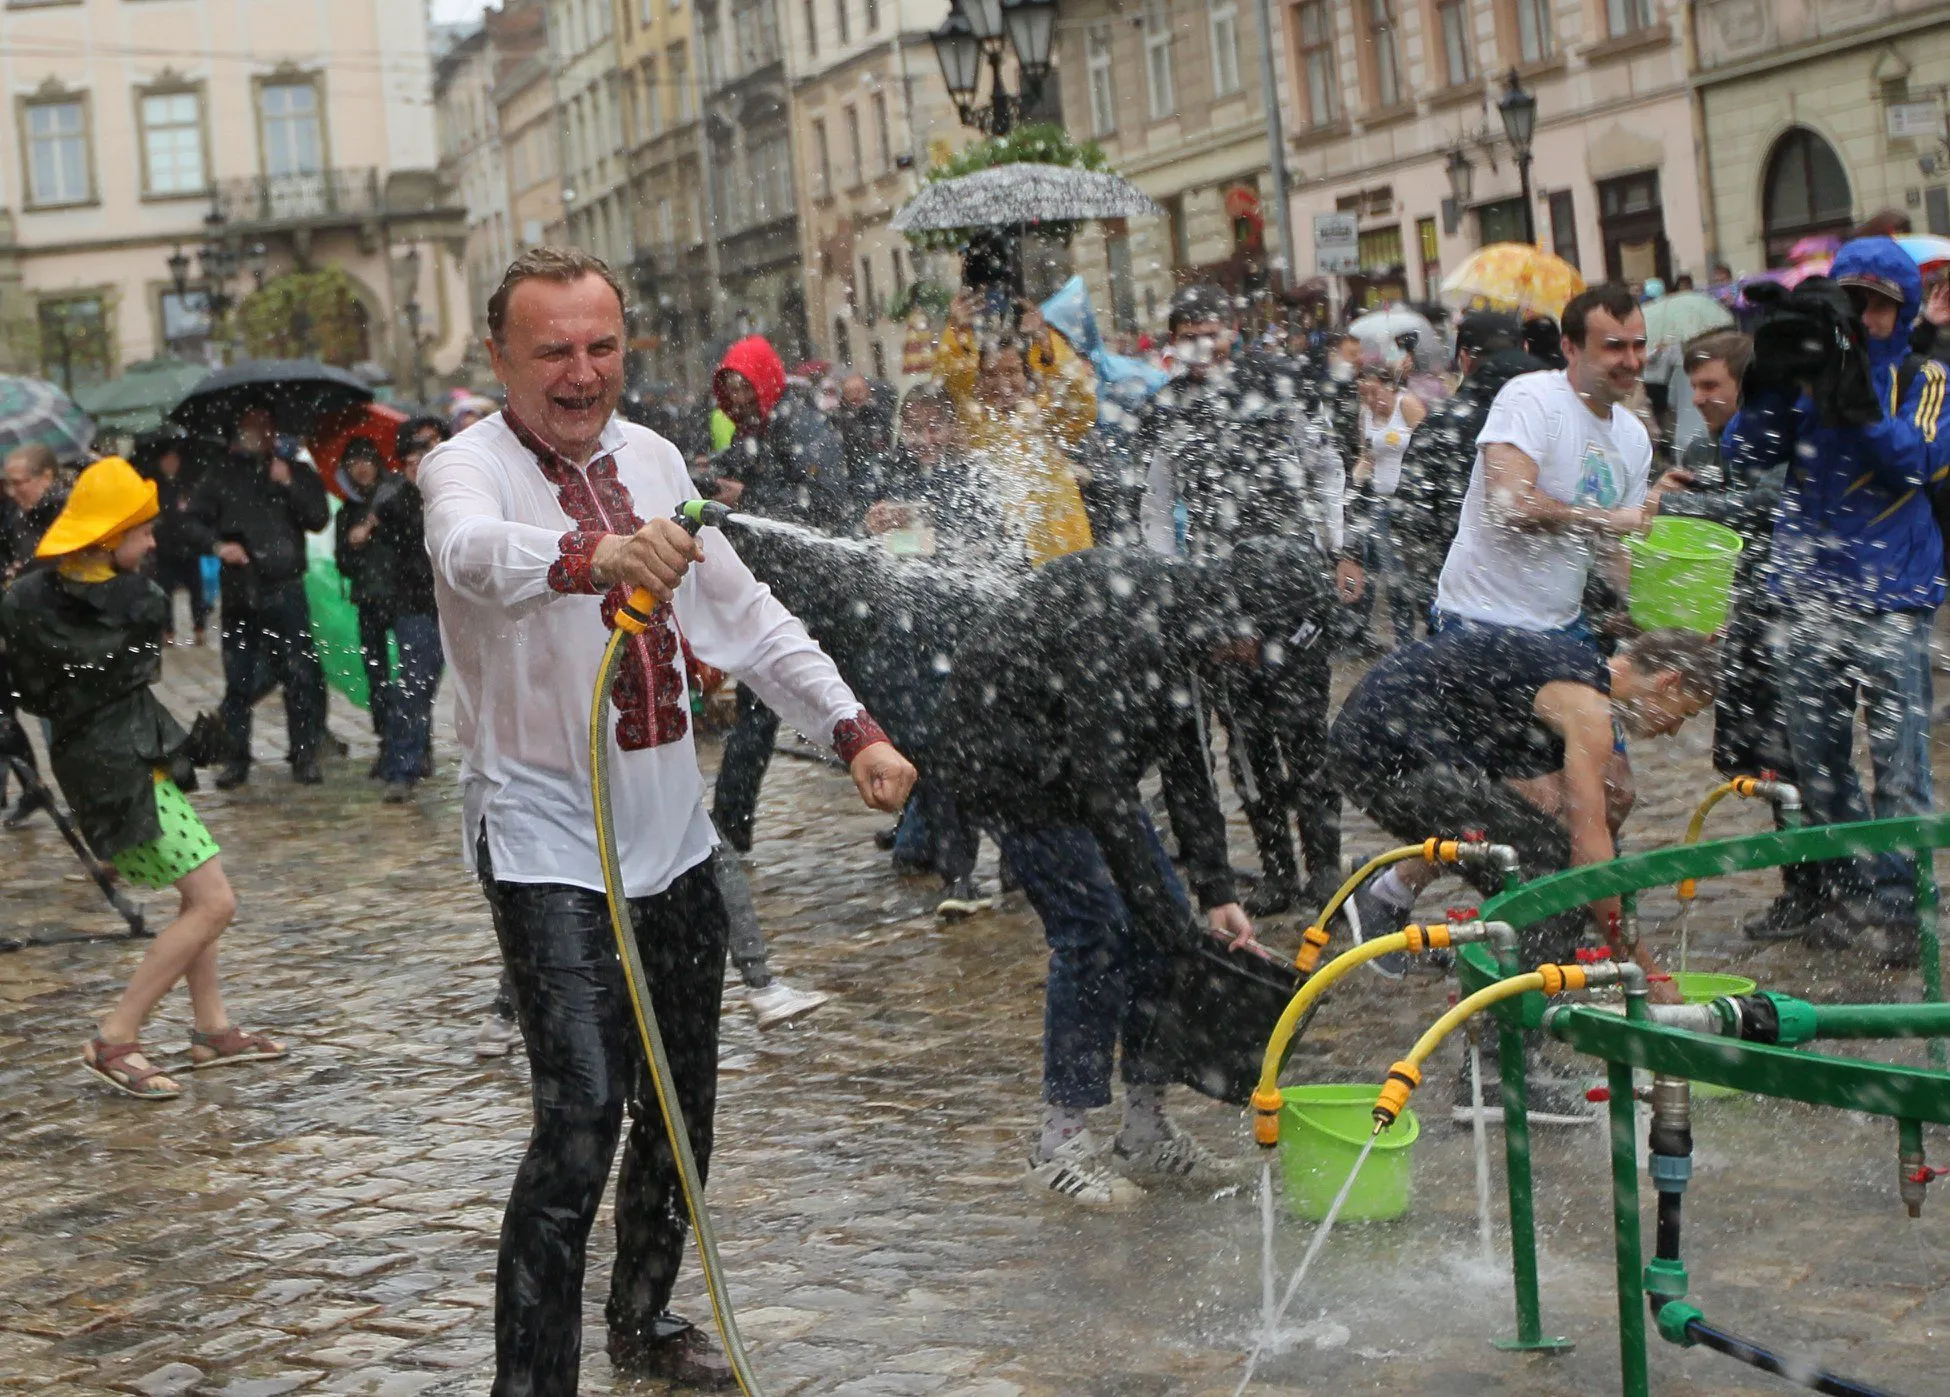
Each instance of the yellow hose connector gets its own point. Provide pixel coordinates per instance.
(634, 615)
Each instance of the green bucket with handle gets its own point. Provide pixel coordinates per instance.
(1682, 574)
(1322, 1130)
(1698, 987)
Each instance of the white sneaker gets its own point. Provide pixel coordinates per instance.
(497, 1038)
(779, 1003)
(964, 899)
(1076, 1171)
(1178, 1159)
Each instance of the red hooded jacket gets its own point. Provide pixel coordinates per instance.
(755, 359)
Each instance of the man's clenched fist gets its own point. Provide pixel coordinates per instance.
(655, 558)
(884, 777)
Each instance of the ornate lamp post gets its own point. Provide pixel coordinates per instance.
(985, 29)
(1519, 112)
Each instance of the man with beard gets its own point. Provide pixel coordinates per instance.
(1237, 443)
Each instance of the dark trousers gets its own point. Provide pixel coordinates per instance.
(586, 1066)
(268, 646)
(1750, 732)
(747, 752)
(184, 574)
(1105, 981)
(1276, 747)
(402, 707)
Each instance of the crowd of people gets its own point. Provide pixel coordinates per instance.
(1042, 591)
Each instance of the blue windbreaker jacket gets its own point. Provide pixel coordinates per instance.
(1856, 526)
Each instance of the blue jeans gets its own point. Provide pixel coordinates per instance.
(1836, 657)
(1384, 565)
(1100, 975)
(408, 735)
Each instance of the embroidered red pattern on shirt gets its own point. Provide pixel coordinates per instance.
(649, 696)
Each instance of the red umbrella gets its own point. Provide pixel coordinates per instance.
(377, 423)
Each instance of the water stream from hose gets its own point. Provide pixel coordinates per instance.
(1480, 1130)
(1320, 1236)
(1269, 1277)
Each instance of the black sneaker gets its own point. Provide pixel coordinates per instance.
(1272, 897)
(233, 775)
(1368, 915)
(304, 770)
(883, 839)
(1788, 916)
(673, 1351)
(398, 793)
(31, 804)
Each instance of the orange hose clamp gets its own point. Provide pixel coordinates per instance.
(1403, 1078)
(1437, 934)
(1267, 1102)
(1559, 978)
(1312, 942)
(634, 615)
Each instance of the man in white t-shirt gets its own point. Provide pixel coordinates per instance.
(1561, 463)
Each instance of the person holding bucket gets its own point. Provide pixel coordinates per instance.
(1858, 560)
(85, 629)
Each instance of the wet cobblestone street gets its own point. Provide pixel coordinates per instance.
(327, 1224)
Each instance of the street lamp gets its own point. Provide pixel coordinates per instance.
(1462, 178)
(1519, 112)
(258, 261)
(960, 54)
(978, 29)
(179, 272)
(1032, 33)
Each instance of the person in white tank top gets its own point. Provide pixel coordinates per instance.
(1389, 417)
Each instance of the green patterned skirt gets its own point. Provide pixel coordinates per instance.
(184, 847)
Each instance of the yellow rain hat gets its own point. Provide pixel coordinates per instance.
(108, 500)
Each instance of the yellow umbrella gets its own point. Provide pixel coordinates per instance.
(1514, 277)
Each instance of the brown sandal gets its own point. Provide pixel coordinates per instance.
(231, 1045)
(110, 1063)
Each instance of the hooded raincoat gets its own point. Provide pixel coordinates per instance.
(793, 466)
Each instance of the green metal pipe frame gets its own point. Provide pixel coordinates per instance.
(1910, 1095)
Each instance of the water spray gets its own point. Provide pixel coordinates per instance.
(632, 618)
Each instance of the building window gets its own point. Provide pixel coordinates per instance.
(1564, 226)
(873, 15)
(1225, 48)
(842, 337)
(1381, 251)
(74, 341)
(1631, 223)
(822, 158)
(1628, 16)
(1452, 18)
(843, 21)
(1533, 29)
(1178, 232)
(1157, 59)
(666, 229)
(57, 152)
(1103, 84)
(810, 9)
(872, 307)
(857, 167)
(1314, 23)
(900, 272)
(185, 323)
(1383, 53)
(653, 97)
(172, 143)
(677, 74)
(1500, 222)
(1805, 191)
(1430, 246)
(1123, 282)
(882, 136)
(289, 113)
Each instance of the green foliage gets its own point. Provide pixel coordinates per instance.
(930, 296)
(1039, 143)
(305, 315)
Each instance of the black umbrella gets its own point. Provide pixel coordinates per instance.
(299, 391)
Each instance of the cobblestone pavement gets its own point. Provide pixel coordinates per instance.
(327, 1224)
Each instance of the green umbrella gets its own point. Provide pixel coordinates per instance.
(137, 400)
(1679, 317)
(34, 410)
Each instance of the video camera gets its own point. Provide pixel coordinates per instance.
(1811, 337)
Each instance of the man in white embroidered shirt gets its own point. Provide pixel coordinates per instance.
(536, 522)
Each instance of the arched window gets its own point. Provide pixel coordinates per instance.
(1806, 191)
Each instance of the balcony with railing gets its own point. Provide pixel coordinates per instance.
(319, 198)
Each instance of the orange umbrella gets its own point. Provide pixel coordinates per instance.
(1514, 277)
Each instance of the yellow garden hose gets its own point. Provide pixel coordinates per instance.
(1747, 788)
(1412, 939)
(1406, 1075)
(1314, 940)
(631, 619)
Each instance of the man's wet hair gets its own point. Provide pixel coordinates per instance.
(1728, 347)
(1614, 298)
(561, 265)
(1692, 655)
(1200, 303)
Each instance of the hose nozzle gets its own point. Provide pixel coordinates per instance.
(634, 615)
(1266, 1116)
(1403, 1078)
(702, 514)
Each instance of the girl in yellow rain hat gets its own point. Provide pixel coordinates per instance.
(84, 630)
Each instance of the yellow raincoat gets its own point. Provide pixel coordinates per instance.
(1030, 443)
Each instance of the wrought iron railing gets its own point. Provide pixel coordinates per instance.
(300, 197)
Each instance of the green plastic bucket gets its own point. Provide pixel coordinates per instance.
(1698, 987)
(1322, 1130)
(1682, 574)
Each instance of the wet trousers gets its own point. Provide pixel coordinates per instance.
(747, 753)
(1835, 659)
(1104, 980)
(587, 1068)
(1276, 747)
(402, 705)
(268, 646)
(184, 574)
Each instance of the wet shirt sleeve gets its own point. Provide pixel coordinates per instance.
(476, 549)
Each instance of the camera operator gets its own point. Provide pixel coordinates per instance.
(1857, 558)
